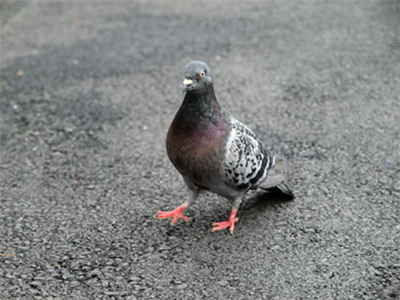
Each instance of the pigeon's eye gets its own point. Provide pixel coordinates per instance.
(202, 74)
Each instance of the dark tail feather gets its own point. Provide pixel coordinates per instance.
(281, 190)
(276, 178)
(286, 190)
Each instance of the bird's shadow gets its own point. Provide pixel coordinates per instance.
(265, 199)
(262, 201)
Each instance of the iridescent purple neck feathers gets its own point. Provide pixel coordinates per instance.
(198, 112)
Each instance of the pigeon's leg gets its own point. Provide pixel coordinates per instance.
(178, 212)
(232, 218)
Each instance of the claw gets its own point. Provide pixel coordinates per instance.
(175, 214)
(230, 223)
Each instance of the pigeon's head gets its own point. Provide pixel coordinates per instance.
(197, 77)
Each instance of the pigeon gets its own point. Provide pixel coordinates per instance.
(215, 152)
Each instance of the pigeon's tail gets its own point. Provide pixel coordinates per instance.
(275, 179)
(286, 189)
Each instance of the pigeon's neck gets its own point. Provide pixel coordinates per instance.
(199, 112)
(200, 106)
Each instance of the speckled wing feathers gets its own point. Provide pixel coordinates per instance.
(247, 160)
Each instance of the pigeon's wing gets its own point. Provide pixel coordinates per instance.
(247, 160)
(276, 177)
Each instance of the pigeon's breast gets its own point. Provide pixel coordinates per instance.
(198, 153)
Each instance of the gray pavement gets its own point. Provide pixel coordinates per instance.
(88, 90)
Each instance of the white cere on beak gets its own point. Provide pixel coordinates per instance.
(188, 82)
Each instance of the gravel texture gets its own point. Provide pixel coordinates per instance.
(88, 90)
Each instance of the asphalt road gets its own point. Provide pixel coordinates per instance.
(88, 91)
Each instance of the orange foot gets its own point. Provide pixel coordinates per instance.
(175, 214)
(230, 223)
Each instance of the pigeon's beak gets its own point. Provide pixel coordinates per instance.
(186, 84)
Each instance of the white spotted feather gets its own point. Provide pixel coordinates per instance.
(247, 160)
